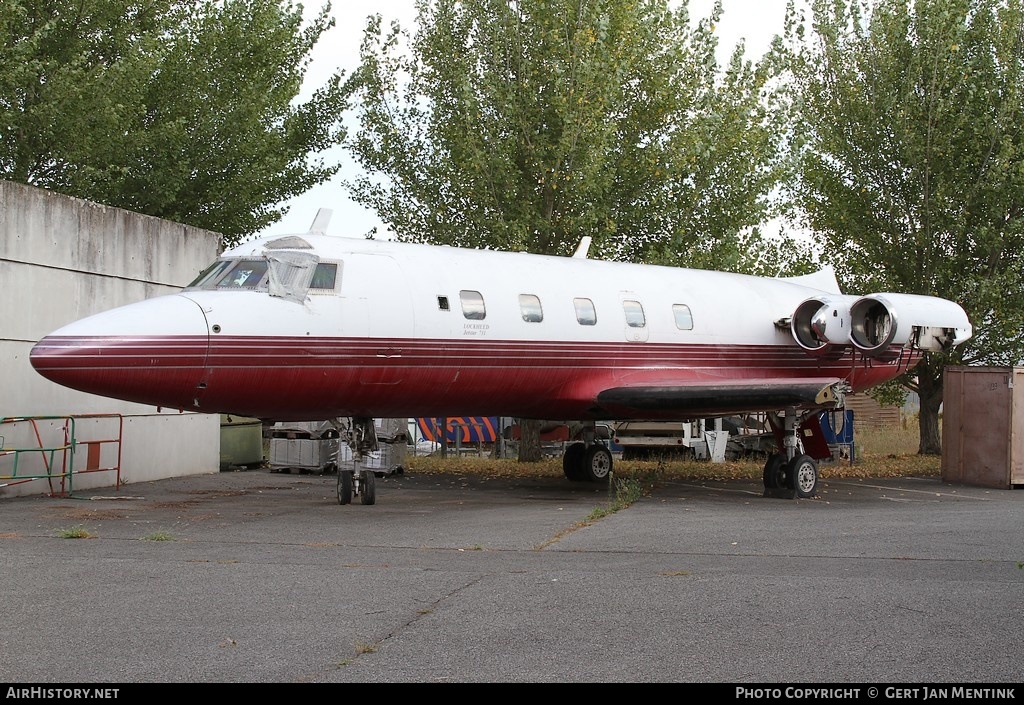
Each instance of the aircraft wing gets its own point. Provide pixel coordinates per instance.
(721, 397)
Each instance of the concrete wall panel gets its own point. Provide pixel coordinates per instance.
(52, 230)
(62, 259)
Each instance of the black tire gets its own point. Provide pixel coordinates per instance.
(775, 472)
(344, 487)
(597, 464)
(802, 476)
(572, 462)
(368, 495)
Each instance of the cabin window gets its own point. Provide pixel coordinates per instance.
(325, 276)
(442, 303)
(634, 314)
(684, 319)
(586, 314)
(246, 274)
(473, 305)
(531, 309)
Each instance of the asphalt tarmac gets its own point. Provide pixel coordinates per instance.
(261, 577)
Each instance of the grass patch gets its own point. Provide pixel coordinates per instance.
(622, 492)
(75, 532)
(158, 536)
(888, 452)
(365, 648)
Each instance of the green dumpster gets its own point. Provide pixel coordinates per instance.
(241, 442)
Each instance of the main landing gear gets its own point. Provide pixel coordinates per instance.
(589, 460)
(797, 477)
(790, 473)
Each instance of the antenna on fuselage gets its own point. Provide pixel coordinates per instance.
(323, 217)
(583, 248)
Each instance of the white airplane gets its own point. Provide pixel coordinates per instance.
(312, 327)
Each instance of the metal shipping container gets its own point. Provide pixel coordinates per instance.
(305, 446)
(983, 426)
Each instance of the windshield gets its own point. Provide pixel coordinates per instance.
(285, 274)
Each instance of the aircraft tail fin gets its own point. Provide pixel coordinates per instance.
(824, 279)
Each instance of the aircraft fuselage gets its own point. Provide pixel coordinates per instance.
(333, 327)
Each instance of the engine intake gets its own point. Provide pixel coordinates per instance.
(880, 321)
(822, 324)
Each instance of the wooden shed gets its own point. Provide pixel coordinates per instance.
(868, 413)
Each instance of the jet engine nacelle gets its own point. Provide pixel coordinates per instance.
(822, 324)
(927, 323)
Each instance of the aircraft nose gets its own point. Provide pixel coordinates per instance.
(151, 352)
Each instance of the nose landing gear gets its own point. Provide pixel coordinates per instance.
(361, 436)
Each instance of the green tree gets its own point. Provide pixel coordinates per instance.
(911, 161)
(178, 109)
(528, 124)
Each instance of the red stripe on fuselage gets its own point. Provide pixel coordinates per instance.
(317, 378)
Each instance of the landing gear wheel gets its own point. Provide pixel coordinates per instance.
(802, 476)
(344, 487)
(597, 463)
(368, 491)
(775, 472)
(572, 462)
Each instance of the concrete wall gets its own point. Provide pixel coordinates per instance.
(62, 259)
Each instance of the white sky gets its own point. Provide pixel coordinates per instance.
(753, 21)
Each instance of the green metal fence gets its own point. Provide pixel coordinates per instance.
(54, 449)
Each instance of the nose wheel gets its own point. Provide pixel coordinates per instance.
(361, 437)
(360, 484)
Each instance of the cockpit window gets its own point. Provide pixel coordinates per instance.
(291, 273)
(210, 274)
(288, 242)
(325, 276)
(246, 274)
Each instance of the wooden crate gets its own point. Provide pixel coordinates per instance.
(983, 426)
